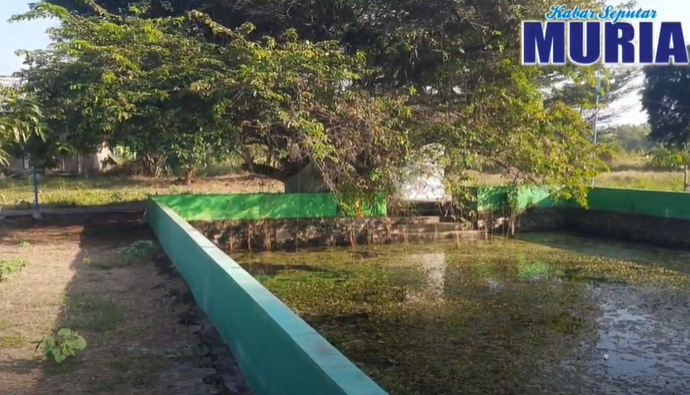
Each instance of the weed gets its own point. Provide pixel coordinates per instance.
(25, 244)
(405, 313)
(9, 267)
(92, 313)
(64, 344)
(138, 368)
(12, 341)
(138, 251)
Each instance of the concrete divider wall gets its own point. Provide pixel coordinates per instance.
(261, 206)
(278, 353)
(495, 198)
(625, 201)
(641, 202)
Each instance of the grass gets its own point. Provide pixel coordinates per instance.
(12, 341)
(57, 191)
(91, 313)
(10, 266)
(650, 180)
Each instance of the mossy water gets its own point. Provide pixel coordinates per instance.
(550, 315)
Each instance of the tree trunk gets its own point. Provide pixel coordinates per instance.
(308, 180)
(188, 177)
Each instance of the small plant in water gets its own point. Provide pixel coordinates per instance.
(65, 344)
(140, 249)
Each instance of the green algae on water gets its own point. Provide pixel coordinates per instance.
(484, 318)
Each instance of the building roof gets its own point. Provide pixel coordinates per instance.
(8, 81)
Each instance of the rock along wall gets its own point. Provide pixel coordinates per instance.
(287, 234)
(657, 231)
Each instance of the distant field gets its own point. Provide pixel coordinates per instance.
(630, 179)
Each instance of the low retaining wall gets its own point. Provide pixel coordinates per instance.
(289, 234)
(277, 352)
(530, 220)
(652, 217)
(261, 206)
(647, 229)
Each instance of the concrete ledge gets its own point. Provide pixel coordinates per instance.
(277, 352)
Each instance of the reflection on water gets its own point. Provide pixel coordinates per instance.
(620, 334)
(433, 266)
(495, 318)
(642, 344)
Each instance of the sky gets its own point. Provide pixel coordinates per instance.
(31, 36)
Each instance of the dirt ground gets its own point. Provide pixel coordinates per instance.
(77, 277)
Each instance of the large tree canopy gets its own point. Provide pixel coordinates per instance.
(327, 95)
(666, 99)
(152, 85)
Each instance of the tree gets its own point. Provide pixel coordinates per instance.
(631, 138)
(150, 85)
(580, 91)
(666, 99)
(340, 101)
(20, 118)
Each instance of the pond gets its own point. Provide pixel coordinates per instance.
(550, 314)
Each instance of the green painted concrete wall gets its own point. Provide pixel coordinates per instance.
(260, 206)
(324, 205)
(278, 353)
(494, 198)
(640, 202)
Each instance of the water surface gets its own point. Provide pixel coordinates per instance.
(551, 315)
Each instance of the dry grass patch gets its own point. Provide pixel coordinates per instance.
(13, 340)
(122, 310)
(85, 312)
(57, 191)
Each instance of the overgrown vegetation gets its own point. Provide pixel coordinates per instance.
(9, 267)
(61, 346)
(139, 251)
(436, 318)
